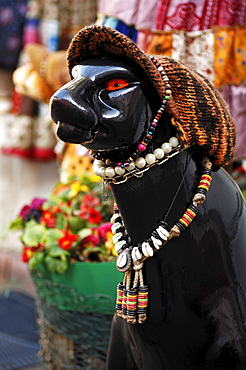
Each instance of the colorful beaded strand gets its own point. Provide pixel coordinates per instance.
(142, 303)
(132, 305)
(119, 299)
(128, 308)
(187, 217)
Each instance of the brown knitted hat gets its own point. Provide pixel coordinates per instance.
(199, 113)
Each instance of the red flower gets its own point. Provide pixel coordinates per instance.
(67, 240)
(92, 215)
(95, 216)
(24, 212)
(104, 229)
(48, 219)
(90, 201)
(27, 253)
(91, 241)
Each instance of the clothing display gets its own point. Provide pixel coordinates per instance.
(48, 27)
(208, 35)
(199, 14)
(12, 20)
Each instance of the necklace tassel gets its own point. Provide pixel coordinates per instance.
(132, 303)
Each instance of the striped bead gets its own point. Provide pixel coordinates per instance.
(205, 182)
(142, 299)
(119, 298)
(124, 302)
(188, 216)
(132, 302)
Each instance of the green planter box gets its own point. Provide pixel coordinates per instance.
(85, 287)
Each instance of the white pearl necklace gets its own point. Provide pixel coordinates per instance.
(119, 174)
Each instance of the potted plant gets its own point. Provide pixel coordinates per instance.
(67, 244)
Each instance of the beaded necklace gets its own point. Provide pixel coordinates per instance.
(121, 173)
(132, 293)
(132, 303)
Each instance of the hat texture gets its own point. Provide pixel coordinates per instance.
(198, 112)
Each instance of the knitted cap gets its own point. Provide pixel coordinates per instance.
(199, 113)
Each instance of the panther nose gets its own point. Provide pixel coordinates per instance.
(64, 109)
(77, 123)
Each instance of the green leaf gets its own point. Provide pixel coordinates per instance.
(52, 235)
(61, 265)
(37, 258)
(56, 264)
(55, 251)
(76, 223)
(61, 221)
(33, 234)
(50, 263)
(84, 233)
(17, 224)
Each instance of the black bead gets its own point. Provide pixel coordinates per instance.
(151, 129)
(163, 224)
(140, 247)
(156, 235)
(119, 229)
(151, 243)
(180, 225)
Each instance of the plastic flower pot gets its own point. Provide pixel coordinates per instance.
(86, 287)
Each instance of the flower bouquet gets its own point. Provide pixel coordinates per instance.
(67, 243)
(71, 225)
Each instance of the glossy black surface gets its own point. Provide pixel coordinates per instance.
(197, 282)
(88, 113)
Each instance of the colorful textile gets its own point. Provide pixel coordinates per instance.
(161, 44)
(195, 49)
(199, 14)
(235, 96)
(144, 38)
(28, 135)
(117, 24)
(133, 12)
(146, 14)
(12, 18)
(230, 56)
(124, 10)
(200, 52)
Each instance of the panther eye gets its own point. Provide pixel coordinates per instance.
(116, 84)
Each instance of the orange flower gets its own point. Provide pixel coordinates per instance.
(67, 240)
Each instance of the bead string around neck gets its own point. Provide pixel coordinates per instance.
(120, 173)
(132, 303)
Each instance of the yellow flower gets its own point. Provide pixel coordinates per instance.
(84, 188)
(76, 188)
(110, 245)
(96, 178)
